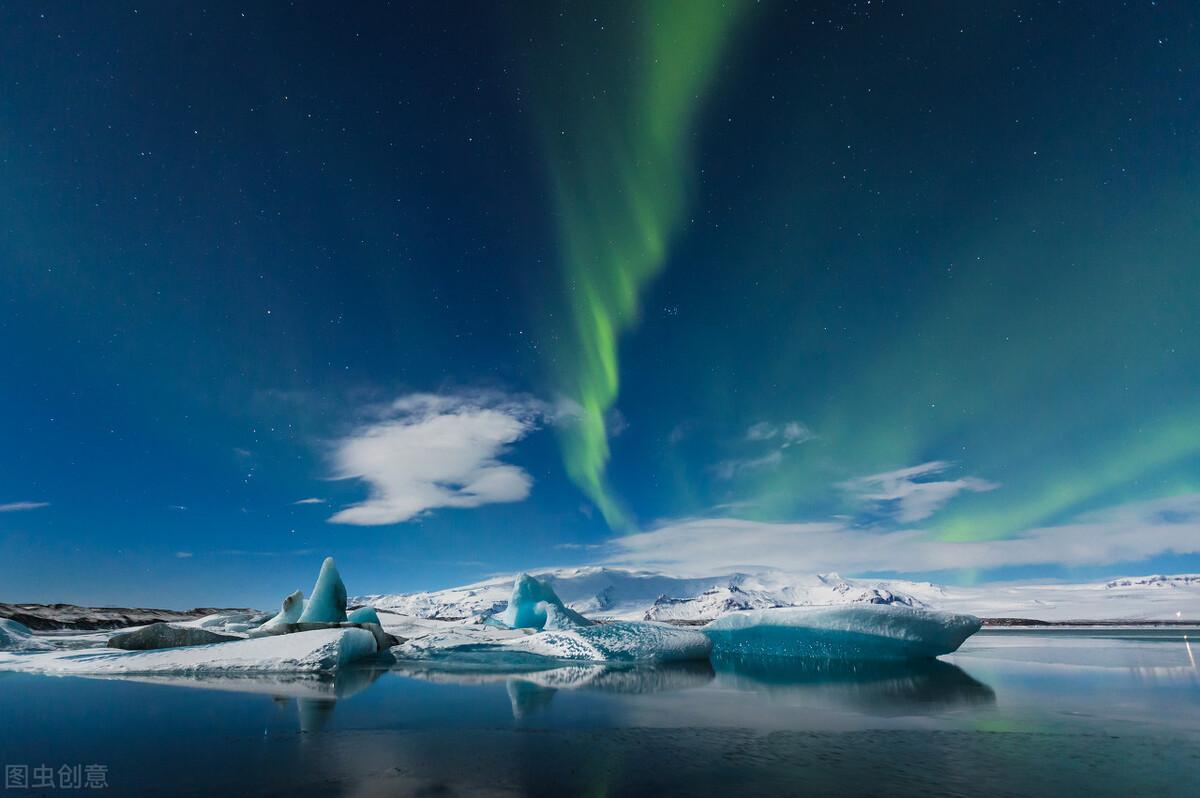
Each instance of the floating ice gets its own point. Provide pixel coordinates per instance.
(623, 641)
(15, 635)
(327, 603)
(364, 615)
(165, 635)
(865, 632)
(559, 617)
(290, 612)
(533, 602)
(321, 650)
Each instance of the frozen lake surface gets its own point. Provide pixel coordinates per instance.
(1014, 712)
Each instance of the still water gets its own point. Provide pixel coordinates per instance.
(1012, 713)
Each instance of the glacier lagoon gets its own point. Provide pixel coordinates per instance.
(1013, 712)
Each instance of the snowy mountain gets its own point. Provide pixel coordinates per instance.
(619, 593)
(1137, 598)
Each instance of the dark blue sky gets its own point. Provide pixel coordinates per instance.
(923, 274)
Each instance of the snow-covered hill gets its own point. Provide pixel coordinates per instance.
(634, 594)
(1137, 598)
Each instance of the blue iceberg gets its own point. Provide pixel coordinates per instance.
(327, 603)
(15, 636)
(364, 615)
(534, 604)
(852, 632)
(633, 641)
(484, 647)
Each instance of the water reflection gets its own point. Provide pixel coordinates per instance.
(879, 687)
(1078, 716)
(315, 694)
(532, 691)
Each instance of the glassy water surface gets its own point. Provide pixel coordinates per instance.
(1013, 713)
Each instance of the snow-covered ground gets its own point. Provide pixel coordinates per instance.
(318, 651)
(625, 594)
(1140, 598)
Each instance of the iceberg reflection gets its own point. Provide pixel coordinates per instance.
(532, 690)
(877, 686)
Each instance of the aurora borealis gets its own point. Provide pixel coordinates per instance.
(617, 119)
(444, 295)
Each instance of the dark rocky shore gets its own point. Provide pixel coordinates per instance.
(48, 617)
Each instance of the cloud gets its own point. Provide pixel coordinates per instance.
(780, 436)
(908, 500)
(615, 422)
(183, 555)
(427, 451)
(728, 469)
(1123, 534)
(16, 507)
(788, 434)
(679, 432)
(310, 501)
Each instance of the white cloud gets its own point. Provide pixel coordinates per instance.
(427, 451)
(16, 507)
(183, 555)
(780, 436)
(910, 500)
(728, 469)
(788, 434)
(679, 432)
(1123, 534)
(310, 501)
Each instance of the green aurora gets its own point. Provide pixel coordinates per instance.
(616, 124)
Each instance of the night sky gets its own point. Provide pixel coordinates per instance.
(448, 290)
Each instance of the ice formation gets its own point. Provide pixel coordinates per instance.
(290, 612)
(321, 650)
(327, 602)
(16, 635)
(863, 632)
(533, 603)
(165, 635)
(364, 615)
(622, 641)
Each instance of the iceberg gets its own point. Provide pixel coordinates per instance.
(533, 604)
(317, 651)
(558, 617)
(165, 635)
(15, 635)
(858, 632)
(364, 615)
(621, 641)
(327, 602)
(290, 612)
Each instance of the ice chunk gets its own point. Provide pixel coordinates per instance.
(864, 632)
(327, 602)
(364, 615)
(16, 636)
(165, 635)
(530, 604)
(558, 617)
(290, 612)
(321, 650)
(623, 641)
